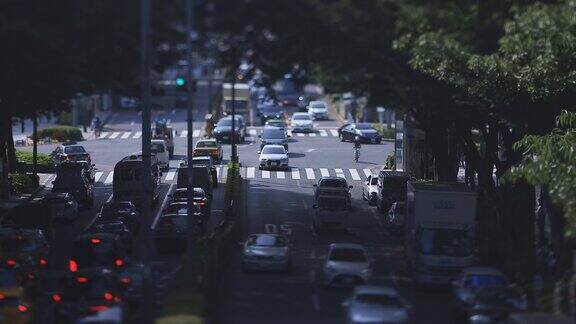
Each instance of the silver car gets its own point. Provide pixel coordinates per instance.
(370, 190)
(266, 252)
(302, 122)
(273, 157)
(376, 304)
(346, 265)
(318, 110)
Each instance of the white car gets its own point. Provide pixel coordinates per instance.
(376, 304)
(266, 252)
(346, 264)
(318, 110)
(273, 157)
(301, 122)
(370, 190)
(159, 148)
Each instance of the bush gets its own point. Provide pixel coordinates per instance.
(42, 158)
(387, 133)
(23, 183)
(61, 133)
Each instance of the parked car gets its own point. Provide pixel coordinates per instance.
(364, 131)
(62, 205)
(210, 148)
(377, 304)
(72, 178)
(346, 265)
(370, 190)
(395, 219)
(70, 151)
(469, 283)
(273, 157)
(266, 252)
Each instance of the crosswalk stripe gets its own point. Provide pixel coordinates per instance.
(252, 132)
(310, 174)
(334, 132)
(323, 132)
(367, 172)
(109, 178)
(138, 134)
(184, 133)
(289, 132)
(103, 134)
(324, 172)
(296, 174)
(250, 173)
(280, 175)
(339, 173)
(97, 176)
(196, 133)
(312, 134)
(170, 175)
(354, 174)
(265, 174)
(300, 134)
(114, 135)
(126, 135)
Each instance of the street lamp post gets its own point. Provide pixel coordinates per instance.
(233, 155)
(189, 105)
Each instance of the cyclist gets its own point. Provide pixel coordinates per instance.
(357, 146)
(97, 126)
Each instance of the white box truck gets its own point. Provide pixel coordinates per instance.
(241, 98)
(440, 230)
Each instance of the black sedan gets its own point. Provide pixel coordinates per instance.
(364, 131)
(124, 211)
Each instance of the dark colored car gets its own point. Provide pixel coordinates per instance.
(72, 178)
(124, 211)
(201, 178)
(391, 188)
(365, 132)
(270, 112)
(223, 130)
(200, 199)
(173, 228)
(132, 279)
(115, 227)
(70, 151)
(495, 304)
(25, 248)
(273, 135)
(207, 162)
(98, 250)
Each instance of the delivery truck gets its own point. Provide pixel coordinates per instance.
(241, 99)
(440, 230)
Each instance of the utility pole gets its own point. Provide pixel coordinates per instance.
(190, 120)
(234, 154)
(146, 246)
(34, 142)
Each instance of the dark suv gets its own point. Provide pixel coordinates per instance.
(72, 178)
(223, 130)
(391, 188)
(26, 248)
(124, 211)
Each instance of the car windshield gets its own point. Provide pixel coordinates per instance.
(446, 242)
(332, 203)
(273, 133)
(363, 126)
(74, 149)
(273, 150)
(267, 240)
(157, 148)
(17, 244)
(317, 106)
(225, 122)
(211, 144)
(477, 281)
(379, 300)
(200, 177)
(301, 117)
(333, 183)
(348, 255)
(277, 123)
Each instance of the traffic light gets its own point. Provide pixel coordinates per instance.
(181, 85)
(180, 82)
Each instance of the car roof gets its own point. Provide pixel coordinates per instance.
(273, 145)
(482, 271)
(346, 246)
(372, 289)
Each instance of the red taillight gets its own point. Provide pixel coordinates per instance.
(43, 262)
(201, 203)
(22, 308)
(73, 266)
(2, 297)
(11, 262)
(98, 308)
(56, 298)
(108, 296)
(119, 262)
(31, 276)
(125, 280)
(95, 241)
(82, 279)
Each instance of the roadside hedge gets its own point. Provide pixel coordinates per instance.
(23, 183)
(387, 133)
(61, 133)
(24, 158)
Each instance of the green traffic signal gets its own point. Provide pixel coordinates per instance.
(180, 82)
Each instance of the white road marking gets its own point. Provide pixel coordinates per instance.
(324, 172)
(184, 133)
(339, 173)
(221, 172)
(334, 132)
(253, 132)
(126, 135)
(109, 178)
(170, 175)
(250, 173)
(310, 174)
(97, 176)
(300, 134)
(168, 121)
(114, 135)
(354, 174)
(296, 174)
(138, 134)
(367, 172)
(280, 175)
(103, 134)
(265, 174)
(312, 134)
(323, 132)
(310, 150)
(157, 216)
(196, 133)
(289, 132)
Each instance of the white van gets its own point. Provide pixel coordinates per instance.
(159, 148)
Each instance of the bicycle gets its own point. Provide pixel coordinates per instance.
(356, 154)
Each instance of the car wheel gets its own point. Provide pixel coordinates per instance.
(341, 137)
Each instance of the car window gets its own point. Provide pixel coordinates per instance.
(273, 150)
(224, 122)
(347, 255)
(206, 144)
(267, 240)
(273, 133)
(363, 126)
(177, 209)
(378, 299)
(333, 183)
(74, 149)
(317, 106)
(301, 117)
(157, 148)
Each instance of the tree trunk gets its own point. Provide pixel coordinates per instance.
(10, 149)
(4, 185)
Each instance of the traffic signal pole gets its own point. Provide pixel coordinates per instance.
(234, 153)
(190, 120)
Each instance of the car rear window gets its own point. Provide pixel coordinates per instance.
(273, 133)
(317, 106)
(267, 240)
(334, 183)
(74, 149)
(477, 281)
(301, 117)
(348, 255)
(206, 144)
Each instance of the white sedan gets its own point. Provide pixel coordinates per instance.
(374, 304)
(346, 265)
(273, 156)
(266, 252)
(302, 122)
